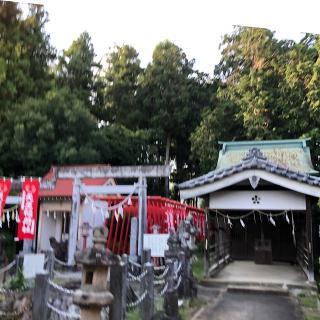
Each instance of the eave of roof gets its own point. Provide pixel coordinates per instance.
(253, 160)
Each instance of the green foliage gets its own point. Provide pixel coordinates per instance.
(8, 245)
(17, 282)
(74, 110)
(309, 304)
(267, 89)
(121, 80)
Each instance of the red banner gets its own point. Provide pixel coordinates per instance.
(5, 186)
(28, 209)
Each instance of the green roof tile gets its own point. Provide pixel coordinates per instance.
(293, 154)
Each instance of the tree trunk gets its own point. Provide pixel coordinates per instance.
(167, 162)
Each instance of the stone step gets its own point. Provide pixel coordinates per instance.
(219, 283)
(258, 289)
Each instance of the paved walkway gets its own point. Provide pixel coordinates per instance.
(249, 306)
(248, 271)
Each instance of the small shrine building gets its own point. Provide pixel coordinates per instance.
(261, 204)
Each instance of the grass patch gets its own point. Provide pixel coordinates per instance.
(133, 315)
(309, 305)
(190, 307)
(198, 266)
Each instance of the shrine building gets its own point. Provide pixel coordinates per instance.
(261, 204)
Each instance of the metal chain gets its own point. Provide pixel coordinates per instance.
(135, 264)
(15, 314)
(8, 267)
(137, 278)
(164, 290)
(138, 301)
(61, 289)
(157, 282)
(162, 275)
(156, 268)
(63, 313)
(11, 292)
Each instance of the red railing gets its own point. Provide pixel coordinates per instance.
(162, 215)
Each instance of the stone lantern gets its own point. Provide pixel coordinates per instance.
(94, 293)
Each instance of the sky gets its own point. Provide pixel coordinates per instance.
(195, 26)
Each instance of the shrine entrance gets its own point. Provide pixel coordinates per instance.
(259, 211)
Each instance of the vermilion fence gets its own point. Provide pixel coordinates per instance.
(162, 215)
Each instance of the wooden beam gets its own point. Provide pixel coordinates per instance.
(114, 172)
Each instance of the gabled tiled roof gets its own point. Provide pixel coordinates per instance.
(58, 187)
(253, 160)
(293, 153)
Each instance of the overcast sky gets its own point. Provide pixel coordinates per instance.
(196, 26)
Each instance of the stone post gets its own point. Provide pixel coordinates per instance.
(171, 308)
(147, 284)
(19, 262)
(74, 221)
(118, 287)
(142, 212)
(50, 263)
(183, 289)
(40, 297)
(133, 238)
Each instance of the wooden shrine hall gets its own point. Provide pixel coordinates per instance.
(261, 205)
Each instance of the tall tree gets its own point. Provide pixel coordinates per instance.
(121, 79)
(77, 70)
(170, 100)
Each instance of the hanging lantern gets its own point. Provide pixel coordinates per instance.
(129, 201)
(17, 216)
(48, 213)
(54, 215)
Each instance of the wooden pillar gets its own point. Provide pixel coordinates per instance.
(142, 212)
(309, 234)
(74, 221)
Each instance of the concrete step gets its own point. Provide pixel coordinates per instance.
(258, 290)
(220, 283)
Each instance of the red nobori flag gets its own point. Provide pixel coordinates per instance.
(28, 209)
(5, 186)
